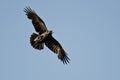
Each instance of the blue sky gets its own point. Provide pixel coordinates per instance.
(89, 31)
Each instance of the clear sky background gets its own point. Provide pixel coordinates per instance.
(89, 31)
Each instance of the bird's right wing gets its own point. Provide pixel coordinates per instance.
(37, 22)
(55, 46)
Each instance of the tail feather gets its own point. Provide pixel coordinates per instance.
(35, 44)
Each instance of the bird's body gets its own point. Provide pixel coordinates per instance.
(44, 36)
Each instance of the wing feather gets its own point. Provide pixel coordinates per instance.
(55, 46)
(37, 22)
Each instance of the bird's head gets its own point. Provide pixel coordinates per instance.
(51, 32)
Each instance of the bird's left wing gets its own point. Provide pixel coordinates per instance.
(55, 46)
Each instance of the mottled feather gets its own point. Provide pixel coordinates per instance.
(35, 44)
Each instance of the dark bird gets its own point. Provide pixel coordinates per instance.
(44, 37)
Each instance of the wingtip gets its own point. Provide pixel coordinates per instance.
(28, 10)
(66, 60)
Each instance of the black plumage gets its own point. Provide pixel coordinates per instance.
(44, 37)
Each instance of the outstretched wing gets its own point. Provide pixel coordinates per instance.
(37, 22)
(55, 46)
(34, 44)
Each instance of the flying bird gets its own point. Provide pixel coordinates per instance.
(44, 36)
